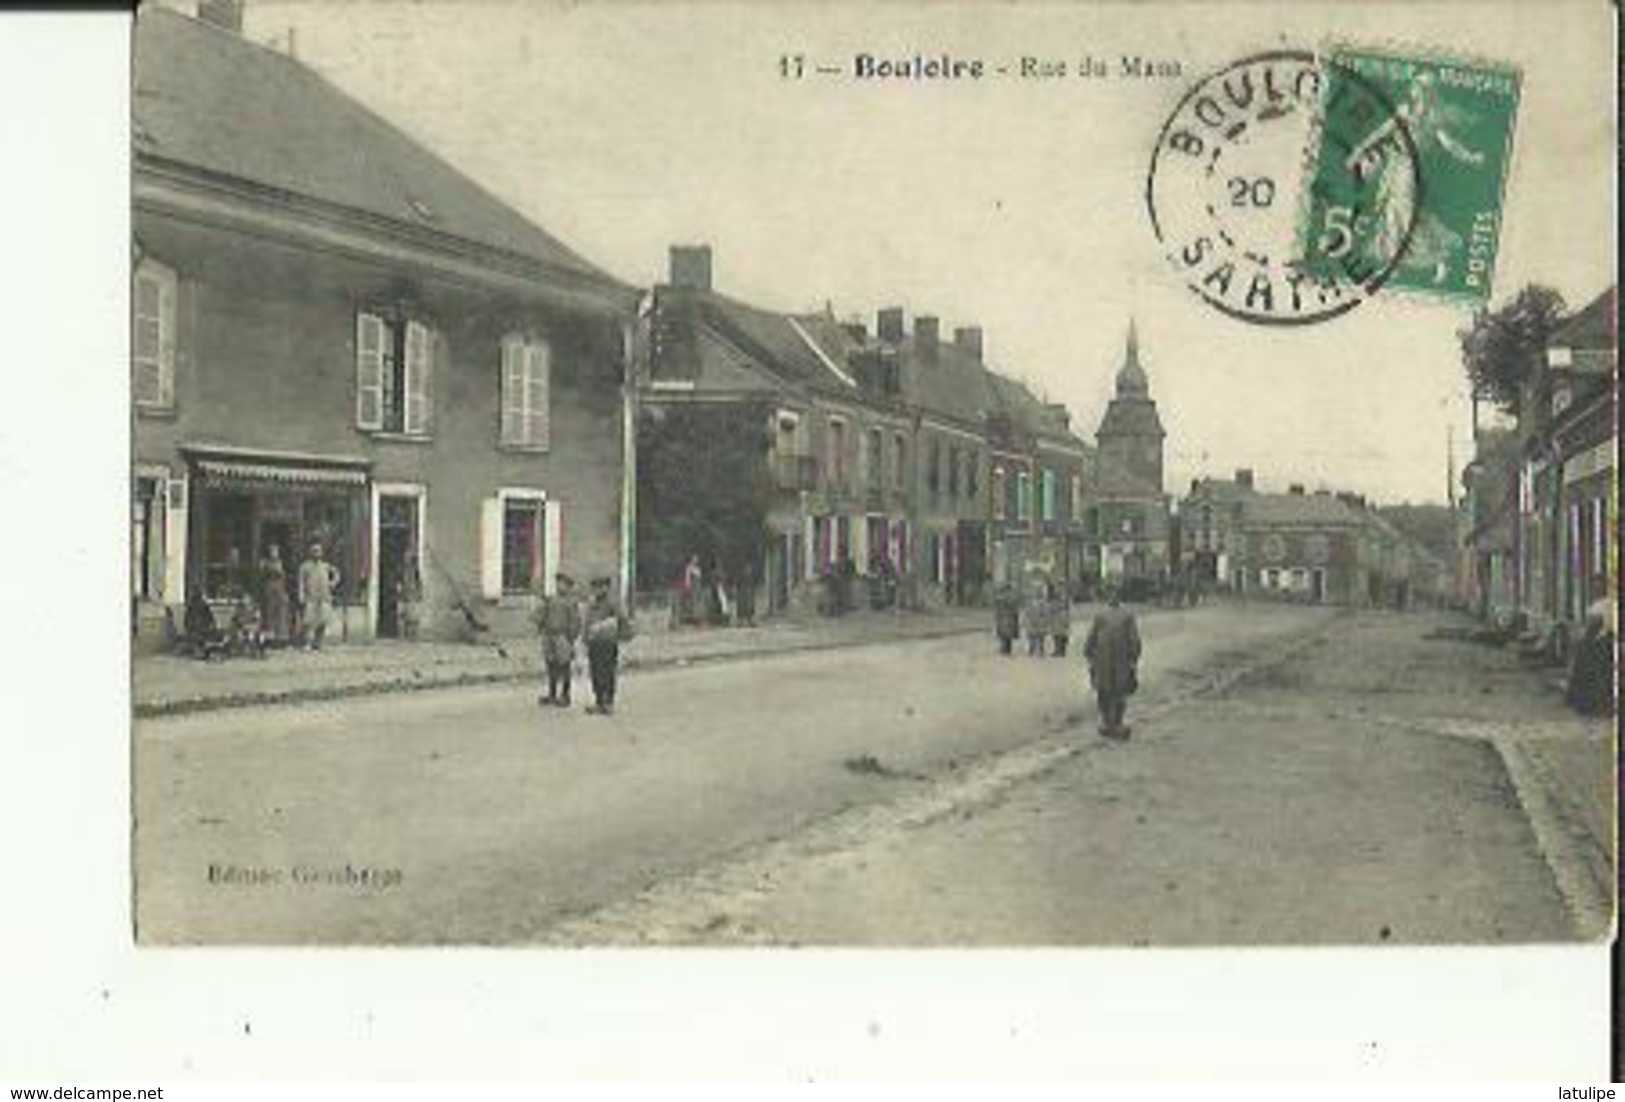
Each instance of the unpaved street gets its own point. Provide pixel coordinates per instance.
(912, 793)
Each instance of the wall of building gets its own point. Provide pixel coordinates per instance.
(266, 360)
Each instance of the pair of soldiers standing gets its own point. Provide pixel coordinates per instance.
(561, 619)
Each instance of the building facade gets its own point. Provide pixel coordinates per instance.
(339, 338)
(1131, 520)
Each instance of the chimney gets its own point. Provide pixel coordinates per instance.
(856, 329)
(1244, 477)
(926, 332)
(1061, 413)
(1296, 489)
(691, 267)
(226, 14)
(889, 325)
(1196, 485)
(968, 338)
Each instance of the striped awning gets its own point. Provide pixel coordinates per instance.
(233, 472)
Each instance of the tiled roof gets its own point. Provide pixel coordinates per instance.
(1593, 327)
(1034, 416)
(1130, 416)
(953, 385)
(209, 99)
(779, 343)
(1297, 509)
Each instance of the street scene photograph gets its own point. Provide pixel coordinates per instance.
(958, 476)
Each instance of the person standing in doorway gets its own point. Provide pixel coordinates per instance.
(558, 619)
(274, 598)
(1112, 650)
(318, 580)
(606, 627)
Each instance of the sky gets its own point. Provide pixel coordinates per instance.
(1018, 205)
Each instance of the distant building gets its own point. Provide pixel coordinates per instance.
(337, 336)
(1130, 512)
(1041, 478)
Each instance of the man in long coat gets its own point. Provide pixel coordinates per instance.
(1112, 650)
(558, 620)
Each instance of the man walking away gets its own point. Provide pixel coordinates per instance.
(1112, 650)
(318, 579)
(1006, 617)
(558, 620)
(606, 627)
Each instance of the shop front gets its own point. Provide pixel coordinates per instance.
(251, 509)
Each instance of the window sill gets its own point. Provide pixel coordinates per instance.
(523, 449)
(399, 437)
(156, 413)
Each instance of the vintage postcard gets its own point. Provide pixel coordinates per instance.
(877, 476)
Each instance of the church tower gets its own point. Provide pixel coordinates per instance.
(1130, 436)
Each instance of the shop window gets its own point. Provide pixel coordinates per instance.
(394, 374)
(153, 336)
(526, 371)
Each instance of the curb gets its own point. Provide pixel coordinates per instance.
(162, 708)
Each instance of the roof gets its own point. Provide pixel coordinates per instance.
(1034, 416)
(1594, 327)
(1297, 509)
(209, 99)
(953, 385)
(780, 343)
(1221, 490)
(1130, 416)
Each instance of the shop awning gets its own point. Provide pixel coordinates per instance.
(239, 472)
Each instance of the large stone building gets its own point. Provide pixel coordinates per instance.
(1130, 511)
(340, 337)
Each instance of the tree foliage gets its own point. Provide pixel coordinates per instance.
(703, 489)
(1501, 347)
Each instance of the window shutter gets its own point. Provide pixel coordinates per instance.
(491, 548)
(166, 341)
(552, 544)
(419, 366)
(537, 393)
(175, 542)
(369, 372)
(512, 398)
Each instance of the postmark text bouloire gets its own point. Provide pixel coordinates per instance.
(1229, 177)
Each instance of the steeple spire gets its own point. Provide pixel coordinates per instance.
(1131, 380)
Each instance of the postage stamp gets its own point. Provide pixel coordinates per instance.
(1229, 188)
(1430, 214)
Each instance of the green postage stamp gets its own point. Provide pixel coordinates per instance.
(1414, 190)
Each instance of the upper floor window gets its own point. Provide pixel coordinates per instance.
(900, 454)
(875, 458)
(973, 476)
(153, 339)
(1000, 494)
(1046, 495)
(835, 458)
(1024, 495)
(394, 372)
(933, 468)
(526, 370)
(953, 471)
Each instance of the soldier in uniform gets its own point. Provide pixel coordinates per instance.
(558, 621)
(606, 626)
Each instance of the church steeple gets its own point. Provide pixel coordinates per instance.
(1131, 378)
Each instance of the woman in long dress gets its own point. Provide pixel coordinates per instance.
(274, 599)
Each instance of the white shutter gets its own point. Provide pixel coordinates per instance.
(369, 372)
(175, 542)
(167, 323)
(512, 386)
(419, 366)
(491, 548)
(552, 544)
(539, 360)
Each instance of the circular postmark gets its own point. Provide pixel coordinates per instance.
(1284, 188)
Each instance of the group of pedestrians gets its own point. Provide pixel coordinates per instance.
(271, 611)
(1111, 649)
(562, 619)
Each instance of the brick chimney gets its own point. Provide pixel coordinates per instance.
(927, 332)
(1296, 489)
(968, 338)
(691, 267)
(1244, 477)
(889, 325)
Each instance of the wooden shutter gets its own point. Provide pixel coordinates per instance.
(419, 367)
(175, 502)
(539, 365)
(552, 544)
(513, 411)
(491, 548)
(369, 372)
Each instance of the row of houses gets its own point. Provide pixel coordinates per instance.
(892, 450)
(1319, 547)
(338, 337)
(1540, 536)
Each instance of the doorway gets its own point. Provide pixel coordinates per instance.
(398, 569)
(1317, 586)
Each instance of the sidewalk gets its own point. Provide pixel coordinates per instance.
(170, 685)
